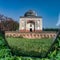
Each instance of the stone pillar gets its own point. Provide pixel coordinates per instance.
(25, 25)
(35, 25)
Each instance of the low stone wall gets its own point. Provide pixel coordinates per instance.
(43, 34)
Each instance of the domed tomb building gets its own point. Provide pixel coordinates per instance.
(30, 22)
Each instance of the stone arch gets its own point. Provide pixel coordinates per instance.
(31, 25)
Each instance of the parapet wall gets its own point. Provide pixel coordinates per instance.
(44, 34)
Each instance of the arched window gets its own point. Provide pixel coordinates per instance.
(30, 25)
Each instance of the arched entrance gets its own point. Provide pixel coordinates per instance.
(30, 29)
(31, 26)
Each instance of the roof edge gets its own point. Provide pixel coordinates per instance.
(31, 17)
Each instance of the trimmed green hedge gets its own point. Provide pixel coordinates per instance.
(29, 47)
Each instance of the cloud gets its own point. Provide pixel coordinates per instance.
(58, 23)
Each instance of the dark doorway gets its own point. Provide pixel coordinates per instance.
(30, 29)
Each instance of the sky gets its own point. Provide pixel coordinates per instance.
(58, 23)
(48, 9)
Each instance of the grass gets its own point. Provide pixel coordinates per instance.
(29, 47)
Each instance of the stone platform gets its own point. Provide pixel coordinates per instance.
(43, 34)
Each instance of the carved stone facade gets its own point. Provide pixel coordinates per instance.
(30, 22)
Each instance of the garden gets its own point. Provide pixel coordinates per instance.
(29, 49)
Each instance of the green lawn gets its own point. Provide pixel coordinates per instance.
(29, 47)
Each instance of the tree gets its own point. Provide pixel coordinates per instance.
(8, 24)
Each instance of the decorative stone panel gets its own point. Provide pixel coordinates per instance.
(32, 35)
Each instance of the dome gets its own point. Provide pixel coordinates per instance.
(30, 13)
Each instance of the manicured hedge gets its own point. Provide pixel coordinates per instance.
(29, 47)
